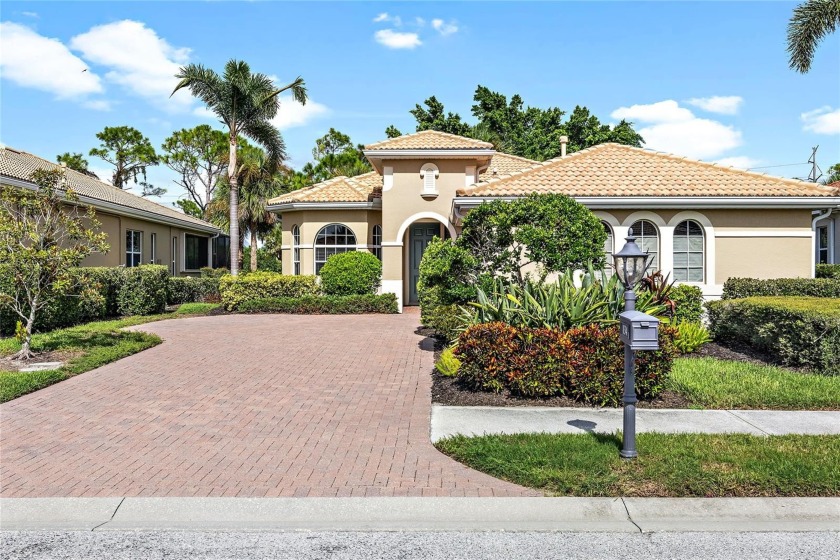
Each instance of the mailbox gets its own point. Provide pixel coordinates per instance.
(639, 330)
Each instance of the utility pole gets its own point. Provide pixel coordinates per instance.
(816, 172)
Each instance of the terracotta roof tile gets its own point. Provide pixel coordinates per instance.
(20, 165)
(618, 170)
(505, 164)
(430, 140)
(361, 188)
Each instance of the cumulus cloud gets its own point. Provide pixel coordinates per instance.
(443, 27)
(741, 162)
(723, 104)
(824, 120)
(32, 60)
(137, 59)
(98, 104)
(290, 115)
(396, 39)
(672, 128)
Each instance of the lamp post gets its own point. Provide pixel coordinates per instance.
(630, 265)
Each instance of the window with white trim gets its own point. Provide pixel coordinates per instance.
(153, 248)
(822, 245)
(688, 252)
(376, 241)
(609, 249)
(196, 252)
(296, 249)
(647, 238)
(133, 248)
(429, 172)
(331, 240)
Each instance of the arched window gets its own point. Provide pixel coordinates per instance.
(609, 249)
(376, 241)
(331, 240)
(647, 238)
(688, 252)
(296, 249)
(429, 172)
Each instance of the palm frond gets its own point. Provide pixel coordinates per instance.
(266, 135)
(811, 21)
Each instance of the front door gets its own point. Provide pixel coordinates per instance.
(420, 236)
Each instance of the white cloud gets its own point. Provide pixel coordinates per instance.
(137, 59)
(420, 22)
(824, 120)
(676, 129)
(290, 115)
(741, 162)
(31, 14)
(32, 60)
(98, 104)
(723, 104)
(381, 17)
(385, 17)
(444, 28)
(397, 40)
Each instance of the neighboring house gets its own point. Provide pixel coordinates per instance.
(139, 231)
(701, 222)
(827, 232)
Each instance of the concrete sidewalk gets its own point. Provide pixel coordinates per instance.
(478, 420)
(613, 515)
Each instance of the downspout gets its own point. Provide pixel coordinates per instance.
(825, 214)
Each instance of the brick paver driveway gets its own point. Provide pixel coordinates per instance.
(261, 405)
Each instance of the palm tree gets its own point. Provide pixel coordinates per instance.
(811, 21)
(245, 103)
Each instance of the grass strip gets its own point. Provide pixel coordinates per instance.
(669, 465)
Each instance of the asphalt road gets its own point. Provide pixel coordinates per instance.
(124, 545)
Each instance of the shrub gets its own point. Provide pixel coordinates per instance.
(323, 305)
(187, 289)
(266, 261)
(828, 271)
(688, 303)
(797, 331)
(448, 365)
(445, 319)
(690, 336)
(143, 291)
(351, 273)
(234, 290)
(585, 363)
(208, 272)
(736, 288)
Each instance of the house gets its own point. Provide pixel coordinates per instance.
(139, 231)
(827, 232)
(702, 223)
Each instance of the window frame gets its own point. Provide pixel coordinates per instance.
(425, 170)
(153, 248)
(296, 250)
(820, 248)
(688, 252)
(336, 248)
(133, 251)
(655, 263)
(376, 241)
(206, 253)
(609, 248)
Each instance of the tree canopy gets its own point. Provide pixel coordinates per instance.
(130, 153)
(76, 162)
(335, 155)
(514, 128)
(199, 156)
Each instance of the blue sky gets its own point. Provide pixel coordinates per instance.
(706, 80)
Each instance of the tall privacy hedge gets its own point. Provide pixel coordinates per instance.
(736, 288)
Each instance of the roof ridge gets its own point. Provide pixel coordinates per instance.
(428, 131)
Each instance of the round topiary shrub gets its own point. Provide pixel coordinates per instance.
(351, 273)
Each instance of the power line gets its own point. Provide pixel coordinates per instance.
(782, 165)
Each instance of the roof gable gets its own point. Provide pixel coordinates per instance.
(430, 140)
(361, 188)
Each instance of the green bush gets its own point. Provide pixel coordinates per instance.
(445, 319)
(737, 288)
(448, 365)
(266, 261)
(351, 273)
(209, 272)
(186, 289)
(690, 336)
(828, 271)
(143, 291)
(688, 302)
(797, 331)
(323, 305)
(584, 363)
(234, 290)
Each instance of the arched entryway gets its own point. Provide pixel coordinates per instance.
(416, 234)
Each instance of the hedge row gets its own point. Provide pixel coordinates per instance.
(236, 290)
(187, 289)
(737, 288)
(584, 363)
(828, 271)
(323, 305)
(797, 331)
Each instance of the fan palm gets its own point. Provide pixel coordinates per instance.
(811, 21)
(245, 102)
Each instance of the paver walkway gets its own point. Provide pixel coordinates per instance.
(259, 405)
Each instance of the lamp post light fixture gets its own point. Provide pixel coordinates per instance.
(638, 332)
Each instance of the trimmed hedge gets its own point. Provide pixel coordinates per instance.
(187, 289)
(584, 363)
(443, 318)
(351, 273)
(323, 305)
(210, 272)
(738, 288)
(688, 303)
(797, 331)
(828, 271)
(235, 290)
(143, 291)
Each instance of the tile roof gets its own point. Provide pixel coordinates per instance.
(618, 170)
(361, 188)
(19, 165)
(505, 164)
(430, 140)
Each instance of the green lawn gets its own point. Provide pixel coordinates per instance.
(669, 465)
(91, 345)
(713, 383)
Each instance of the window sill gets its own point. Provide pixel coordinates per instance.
(430, 195)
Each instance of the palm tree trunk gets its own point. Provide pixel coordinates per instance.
(234, 206)
(253, 229)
